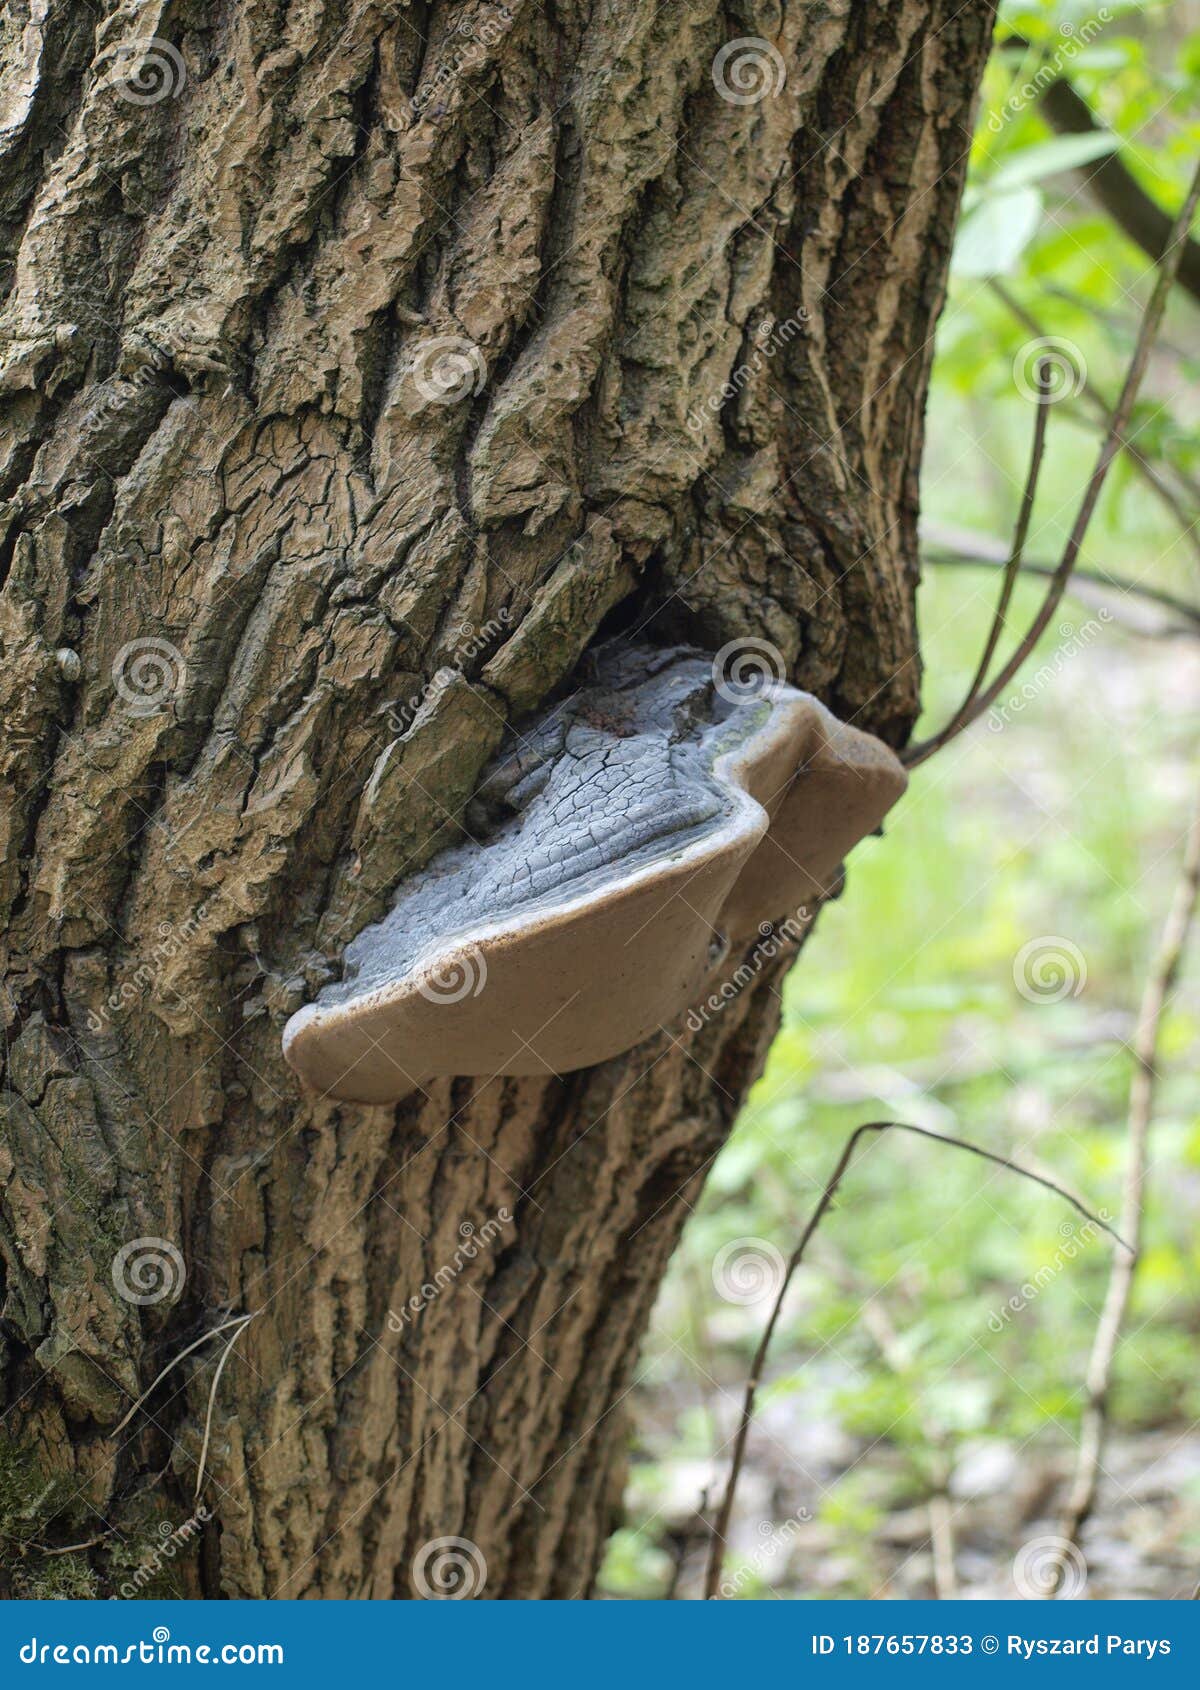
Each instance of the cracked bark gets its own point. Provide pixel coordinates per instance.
(692, 339)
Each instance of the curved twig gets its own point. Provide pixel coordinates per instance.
(1114, 434)
(1012, 569)
(960, 556)
(721, 1527)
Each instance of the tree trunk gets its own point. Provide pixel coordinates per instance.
(360, 365)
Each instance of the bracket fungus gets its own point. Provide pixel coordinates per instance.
(646, 816)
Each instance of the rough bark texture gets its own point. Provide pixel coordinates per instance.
(691, 338)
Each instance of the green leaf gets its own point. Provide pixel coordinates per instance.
(992, 237)
(1046, 158)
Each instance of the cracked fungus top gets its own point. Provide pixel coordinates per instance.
(580, 914)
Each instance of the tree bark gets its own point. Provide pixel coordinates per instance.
(350, 387)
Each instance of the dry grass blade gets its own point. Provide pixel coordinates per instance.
(238, 1320)
(212, 1401)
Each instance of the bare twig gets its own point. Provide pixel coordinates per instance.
(74, 1548)
(1159, 985)
(968, 552)
(1100, 409)
(1012, 569)
(1118, 423)
(721, 1528)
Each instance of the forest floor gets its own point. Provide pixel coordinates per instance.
(1142, 1541)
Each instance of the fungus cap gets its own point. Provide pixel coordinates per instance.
(630, 825)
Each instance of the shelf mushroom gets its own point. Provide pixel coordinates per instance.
(635, 822)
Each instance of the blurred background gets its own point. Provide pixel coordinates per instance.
(923, 1397)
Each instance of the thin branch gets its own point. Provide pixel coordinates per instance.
(212, 1400)
(960, 554)
(1118, 423)
(1159, 986)
(1025, 516)
(74, 1548)
(240, 1320)
(1100, 409)
(1108, 180)
(721, 1528)
(1012, 569)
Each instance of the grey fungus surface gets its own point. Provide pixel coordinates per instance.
(641, 818)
